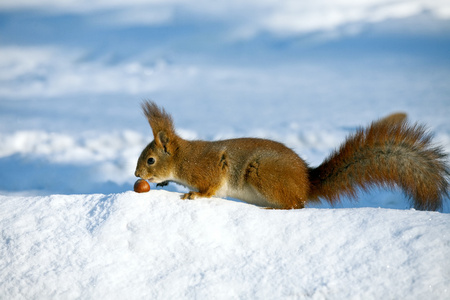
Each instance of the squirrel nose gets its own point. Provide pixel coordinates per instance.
(136, 174)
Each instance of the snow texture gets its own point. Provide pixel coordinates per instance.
(156, 246)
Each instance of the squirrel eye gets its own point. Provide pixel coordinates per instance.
(151, 161)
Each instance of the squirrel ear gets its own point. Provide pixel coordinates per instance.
(162, 139)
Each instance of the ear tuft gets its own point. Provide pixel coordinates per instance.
(159, 120)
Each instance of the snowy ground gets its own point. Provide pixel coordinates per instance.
(72, 77)
(156, 246)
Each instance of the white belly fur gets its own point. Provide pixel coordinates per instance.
(247, 193)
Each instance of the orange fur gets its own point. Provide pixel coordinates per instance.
(386, 154)
(267, 173)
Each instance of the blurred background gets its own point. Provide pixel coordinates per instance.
(73, 75)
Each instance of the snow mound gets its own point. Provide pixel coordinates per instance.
(156, 246)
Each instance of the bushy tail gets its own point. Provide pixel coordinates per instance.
(388, 153)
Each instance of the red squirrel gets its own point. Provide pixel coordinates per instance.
(388, 153)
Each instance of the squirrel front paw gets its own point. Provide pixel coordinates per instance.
(164, 183)
(190, 196)
(195, 195)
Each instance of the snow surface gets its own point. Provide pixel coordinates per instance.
(72, 77)
(156, 246)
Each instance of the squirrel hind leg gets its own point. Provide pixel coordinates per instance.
(283, 187)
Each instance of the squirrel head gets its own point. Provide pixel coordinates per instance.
(156, 162)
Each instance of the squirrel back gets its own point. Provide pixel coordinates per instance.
(388, 153)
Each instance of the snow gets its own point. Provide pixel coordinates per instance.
(157, 246)
(72, 77)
